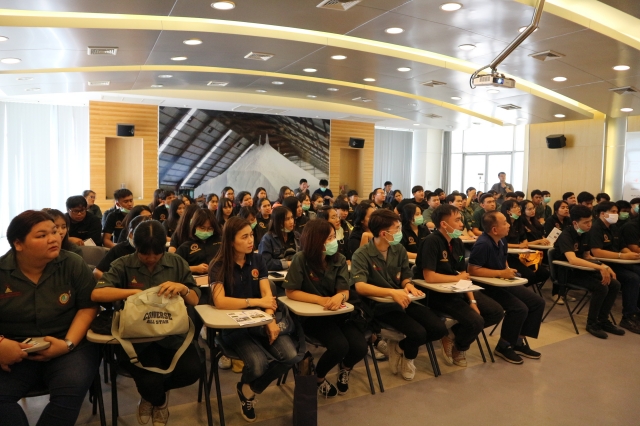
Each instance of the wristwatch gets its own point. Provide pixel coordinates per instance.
(70, 344)
(188, 291)
(473, 301)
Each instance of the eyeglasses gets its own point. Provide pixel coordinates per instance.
(77, 211)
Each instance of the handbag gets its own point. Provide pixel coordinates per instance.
(532, 259)
(147, 315)
(283, 320)
(305, 394)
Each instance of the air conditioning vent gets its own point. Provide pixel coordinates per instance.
(433, 83)
(217, 83)
(509, 107)
(94, 50)
(361, 99)
(98, 83)
(341, 5)
(547, 55)
(624, 90)
(258, 110)
(432, 116)
(259, 56)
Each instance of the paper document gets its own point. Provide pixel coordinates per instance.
(513, 250)
(463, 286)
(553, 235)
(89, 242)
(249, 317)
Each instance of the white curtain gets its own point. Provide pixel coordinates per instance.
(44, 157)
(392, 160)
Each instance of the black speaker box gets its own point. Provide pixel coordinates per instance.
(356, 143)
(556, 141)
(126, 129)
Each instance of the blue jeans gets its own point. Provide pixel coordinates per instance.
(259, 371)
(67, 377)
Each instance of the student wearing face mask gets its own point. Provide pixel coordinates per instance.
(624, 213)
(635, 207)
(293, 204)
(573, 246)
(250, 215)
(605, 243)
(319, 274)
(413, 229)
(114, 223)
(330, 214)
(316, 202)
(441, 260)
(121, 249)
(546, 199)
(305, 203)
(457, 200)
(325, 192)
(279, 243)
(203, 244)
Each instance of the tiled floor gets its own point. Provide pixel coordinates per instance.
(580, 380)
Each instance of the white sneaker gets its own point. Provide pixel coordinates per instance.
(224, 363)
(447, 350)
(395, 356)
(459, 357)
(145, 410)
(408, 369)
(161, 414)
(379, 355)
(382, 347)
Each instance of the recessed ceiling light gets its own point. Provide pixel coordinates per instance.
(311, 96)
(621, 67)
(493, 91)
(278, 83)
(223, 5)
(626, 109)
(33, 89)
(165, 76)
(412, 105)
(3, 38)
(25, 78)
(521, 30)
(456, 98)
(261, 91)
(559, 78)
(10, 60)
(394, 30)
(192, 42)
(98, 83)
(309, 70)
(467, 46)
(179, 58)
(476, 123)
(157, 85)
(450, 7)
(338, 57)
(387, 109)
(521, 119)
(332, 89)
(416, 124)
(559, 116)
(369, 79)
(404, 69)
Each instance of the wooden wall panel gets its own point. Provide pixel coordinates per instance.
(576, 167)
(341, 131)
(103, 120)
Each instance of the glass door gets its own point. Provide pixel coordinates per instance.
(481, 170)
(497, 163)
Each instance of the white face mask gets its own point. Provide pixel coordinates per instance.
(613, 218)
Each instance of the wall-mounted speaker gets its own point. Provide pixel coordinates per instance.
(556, 141)
(125, 130)
(356, 143)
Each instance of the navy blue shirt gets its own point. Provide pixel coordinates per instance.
(245, 282)
(487, 254)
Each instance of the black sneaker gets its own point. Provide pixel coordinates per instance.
(343, 381)
(597, 331)
(608, 326)
(326, 389)
(630, 324)
(526, 351)
(248, 405)
(508, 354)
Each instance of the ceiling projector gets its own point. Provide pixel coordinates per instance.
(495, 80)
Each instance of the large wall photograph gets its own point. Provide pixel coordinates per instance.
(202, 149)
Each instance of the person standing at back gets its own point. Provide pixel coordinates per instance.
(325, 192)
(388, 191)
(502, 187)
(303, 188)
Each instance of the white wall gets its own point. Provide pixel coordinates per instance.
(392, 151)
(426, 164)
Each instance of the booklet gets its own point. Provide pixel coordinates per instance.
(463, 286)
(249, 317)
(553, 235)
(89, 242)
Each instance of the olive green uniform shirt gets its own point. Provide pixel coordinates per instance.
(334, 279)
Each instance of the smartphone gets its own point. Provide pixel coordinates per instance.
(276, 274)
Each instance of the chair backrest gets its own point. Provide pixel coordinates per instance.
(553, 268)
(92, 255)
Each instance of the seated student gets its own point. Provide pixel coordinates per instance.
(388, 192)
(487, 204)
(121, 249)
(319, 274)
(243, 199)
(635, 207)
(342, 232)
(303, 188)
(59, 307)
(92, 207)
(433, 199)
(472, 201)
(586, 199)
(305, 203)
(158, 197)
(239, 280)
(113, 225)
(263, 217)
(536, 199)
(294, 205)
(441, 194)
(602, 197)
(284, 192)
(413, 229)
(441, 260)
(62, 223)
(624, 212)
(203, 244)
(523, 308)
(381, 268)
(457, 200)
(325, 192)
(103, 219)
(511, 196)
(352, 197)
(135, 212)
(186, 200)
(546, 199)
(182, 232)
(82, 225)
(396, 198)
(605, 243)
(227, 192)
(259, 194)
(517, 238)
(279, 244)
(250, 215)
(573, 246)
(176, 210)
(225, 211)
(519, 196)
(342, 208)
(316, 202)
(161, 212)
(379, 199)
(533, 228)
(559, 219)
(360, 235)
(212, 202)
(569, 198)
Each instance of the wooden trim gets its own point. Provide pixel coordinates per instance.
(341, 131)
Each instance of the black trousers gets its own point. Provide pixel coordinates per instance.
(602, 296)
(470, 324)
(418, 323)
(344, 341)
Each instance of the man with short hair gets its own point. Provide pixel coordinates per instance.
(83, 225)
(440, 193)
(523, 308)
(602, 197)
(303, 188)
(456, 200)
(161, 212)
(113, 226)
(418, 199)
(546, 200)
(388, 192)
(569, 198)
(502, 188)
(510, 196)
(378, 199)
(352, 196)
(433, 199)
(586, 199)
(488, 204)
(635, 207)
(472, 202)
(536, 199)
(325, 192)
(519, 196)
